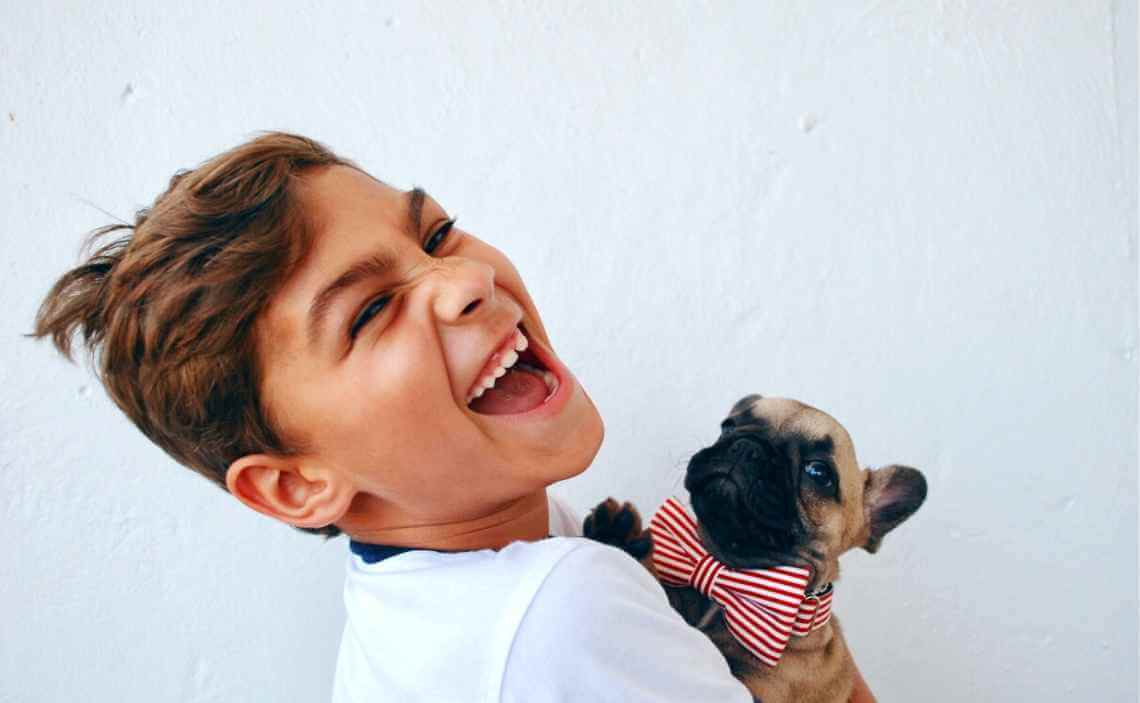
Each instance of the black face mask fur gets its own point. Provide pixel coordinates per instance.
(745, 493)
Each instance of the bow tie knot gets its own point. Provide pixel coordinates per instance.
(705, 574)
(763, 608)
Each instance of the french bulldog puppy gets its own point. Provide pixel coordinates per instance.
(780, 487)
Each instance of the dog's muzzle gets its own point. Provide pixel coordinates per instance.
(743, 491)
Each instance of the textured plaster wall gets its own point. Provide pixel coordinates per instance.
(918, 216)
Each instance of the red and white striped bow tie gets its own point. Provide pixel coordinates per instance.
(762, 607)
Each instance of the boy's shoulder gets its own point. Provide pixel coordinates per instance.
(583, 562)
(600, 627)
(543, 620)
(426, 625)
(591, 580)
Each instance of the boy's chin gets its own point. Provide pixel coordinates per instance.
(573, 449)
(587, 438)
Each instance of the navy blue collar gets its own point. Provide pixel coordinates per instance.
(372, 553)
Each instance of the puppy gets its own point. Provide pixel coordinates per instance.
(780, 488)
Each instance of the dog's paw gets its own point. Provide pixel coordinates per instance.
(618, 526)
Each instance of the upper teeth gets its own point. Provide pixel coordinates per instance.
(504, 360)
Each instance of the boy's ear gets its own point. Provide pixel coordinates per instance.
(287, 490)
(890, 495)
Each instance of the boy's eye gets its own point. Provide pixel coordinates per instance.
(374, 307)
(367, 313)
(438, 236)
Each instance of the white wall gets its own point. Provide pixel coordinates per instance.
(920, 217)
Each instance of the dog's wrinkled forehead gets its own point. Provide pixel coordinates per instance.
(789, 420)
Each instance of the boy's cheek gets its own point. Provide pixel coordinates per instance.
(509, 278)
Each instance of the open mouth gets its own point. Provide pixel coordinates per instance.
(517, 379)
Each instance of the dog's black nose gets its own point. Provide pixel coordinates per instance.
(723, 458)
(706, 464)
(744, 449)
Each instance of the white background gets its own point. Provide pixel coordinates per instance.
(917, 216)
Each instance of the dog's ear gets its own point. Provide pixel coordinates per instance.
(890, 495)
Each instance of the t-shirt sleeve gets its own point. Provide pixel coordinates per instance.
(600, 628)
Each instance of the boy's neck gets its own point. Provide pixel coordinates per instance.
(525, 519)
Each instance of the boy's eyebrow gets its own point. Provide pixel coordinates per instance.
(375, 265)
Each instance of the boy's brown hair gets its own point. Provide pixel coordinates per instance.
(170, 307)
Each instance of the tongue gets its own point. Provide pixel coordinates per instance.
(516, 391)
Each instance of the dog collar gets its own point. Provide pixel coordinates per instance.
(763, 608)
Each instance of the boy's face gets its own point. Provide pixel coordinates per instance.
(386, 410)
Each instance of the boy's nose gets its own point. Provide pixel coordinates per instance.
(461, 288)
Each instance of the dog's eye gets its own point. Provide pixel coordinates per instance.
(821, 474)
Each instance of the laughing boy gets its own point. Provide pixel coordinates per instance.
(341, 356)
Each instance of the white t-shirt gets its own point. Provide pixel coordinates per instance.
(560, 619)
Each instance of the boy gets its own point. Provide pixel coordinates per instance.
(340, 356)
